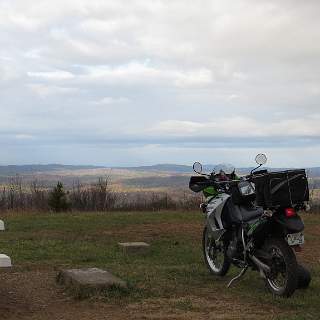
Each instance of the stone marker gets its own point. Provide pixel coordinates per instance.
(134, 247)
(84, 282)
(5, 261)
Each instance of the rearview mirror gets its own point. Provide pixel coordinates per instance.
(197, 167)
(261, 159)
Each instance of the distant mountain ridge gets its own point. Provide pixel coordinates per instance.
(10, 170)
(177, 168)
(180, 168)
(167, 167)
(33, 168)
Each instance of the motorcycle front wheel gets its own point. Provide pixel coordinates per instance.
(214, 254)
(283, 278)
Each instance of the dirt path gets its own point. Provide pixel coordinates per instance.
(34, 295)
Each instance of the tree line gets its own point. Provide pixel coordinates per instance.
(34, 196)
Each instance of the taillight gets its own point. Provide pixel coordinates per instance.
(290, 212)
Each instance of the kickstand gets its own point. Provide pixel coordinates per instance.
(243, 271)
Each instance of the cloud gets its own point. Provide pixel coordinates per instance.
(9, 71)
(110, 101)
(22, 136)
(43, 90)
(175, 74)
(51, 75)
(240, 127)
(136, 73)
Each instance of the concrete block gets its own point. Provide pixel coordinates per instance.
(85, 282)
(5, 261)
(135, 247)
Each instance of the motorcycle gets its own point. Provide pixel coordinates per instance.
(253, 222)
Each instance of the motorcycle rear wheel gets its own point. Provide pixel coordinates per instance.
(214, 254)
(304, 277)
(283, 279)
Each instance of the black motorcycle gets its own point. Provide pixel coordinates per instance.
(253, 222)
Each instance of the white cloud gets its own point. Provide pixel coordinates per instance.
(51, 75)
(238, 127)
(135, 73)
(9, 70)
(236, 69)
(233, 97)
(110, 101)
(44, 91)
(23, 136)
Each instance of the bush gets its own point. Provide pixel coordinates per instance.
(58, 199)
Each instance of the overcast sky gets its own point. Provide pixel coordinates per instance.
(138, 82)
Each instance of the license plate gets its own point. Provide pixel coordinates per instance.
(295, 239)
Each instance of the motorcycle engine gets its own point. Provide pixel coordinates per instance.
(234, 250)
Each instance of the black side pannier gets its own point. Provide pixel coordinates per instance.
(284, 188)
(199, 183)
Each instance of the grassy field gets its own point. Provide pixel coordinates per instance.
(171, 282)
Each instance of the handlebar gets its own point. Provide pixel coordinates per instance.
(230, 182)
(222, 184)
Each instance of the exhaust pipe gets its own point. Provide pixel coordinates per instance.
(262, 266)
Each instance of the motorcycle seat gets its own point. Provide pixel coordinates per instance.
(249, 214)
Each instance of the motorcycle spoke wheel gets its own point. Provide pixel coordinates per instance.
(279, 276)
(283, 278)
(214, 255)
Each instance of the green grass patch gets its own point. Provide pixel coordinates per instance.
(173, 267)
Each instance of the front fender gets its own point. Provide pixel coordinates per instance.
(214, 232)
(214, 211)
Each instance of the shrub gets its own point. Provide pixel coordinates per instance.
(58, 199)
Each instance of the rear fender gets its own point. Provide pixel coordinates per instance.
(279, 226)
(289, 225)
